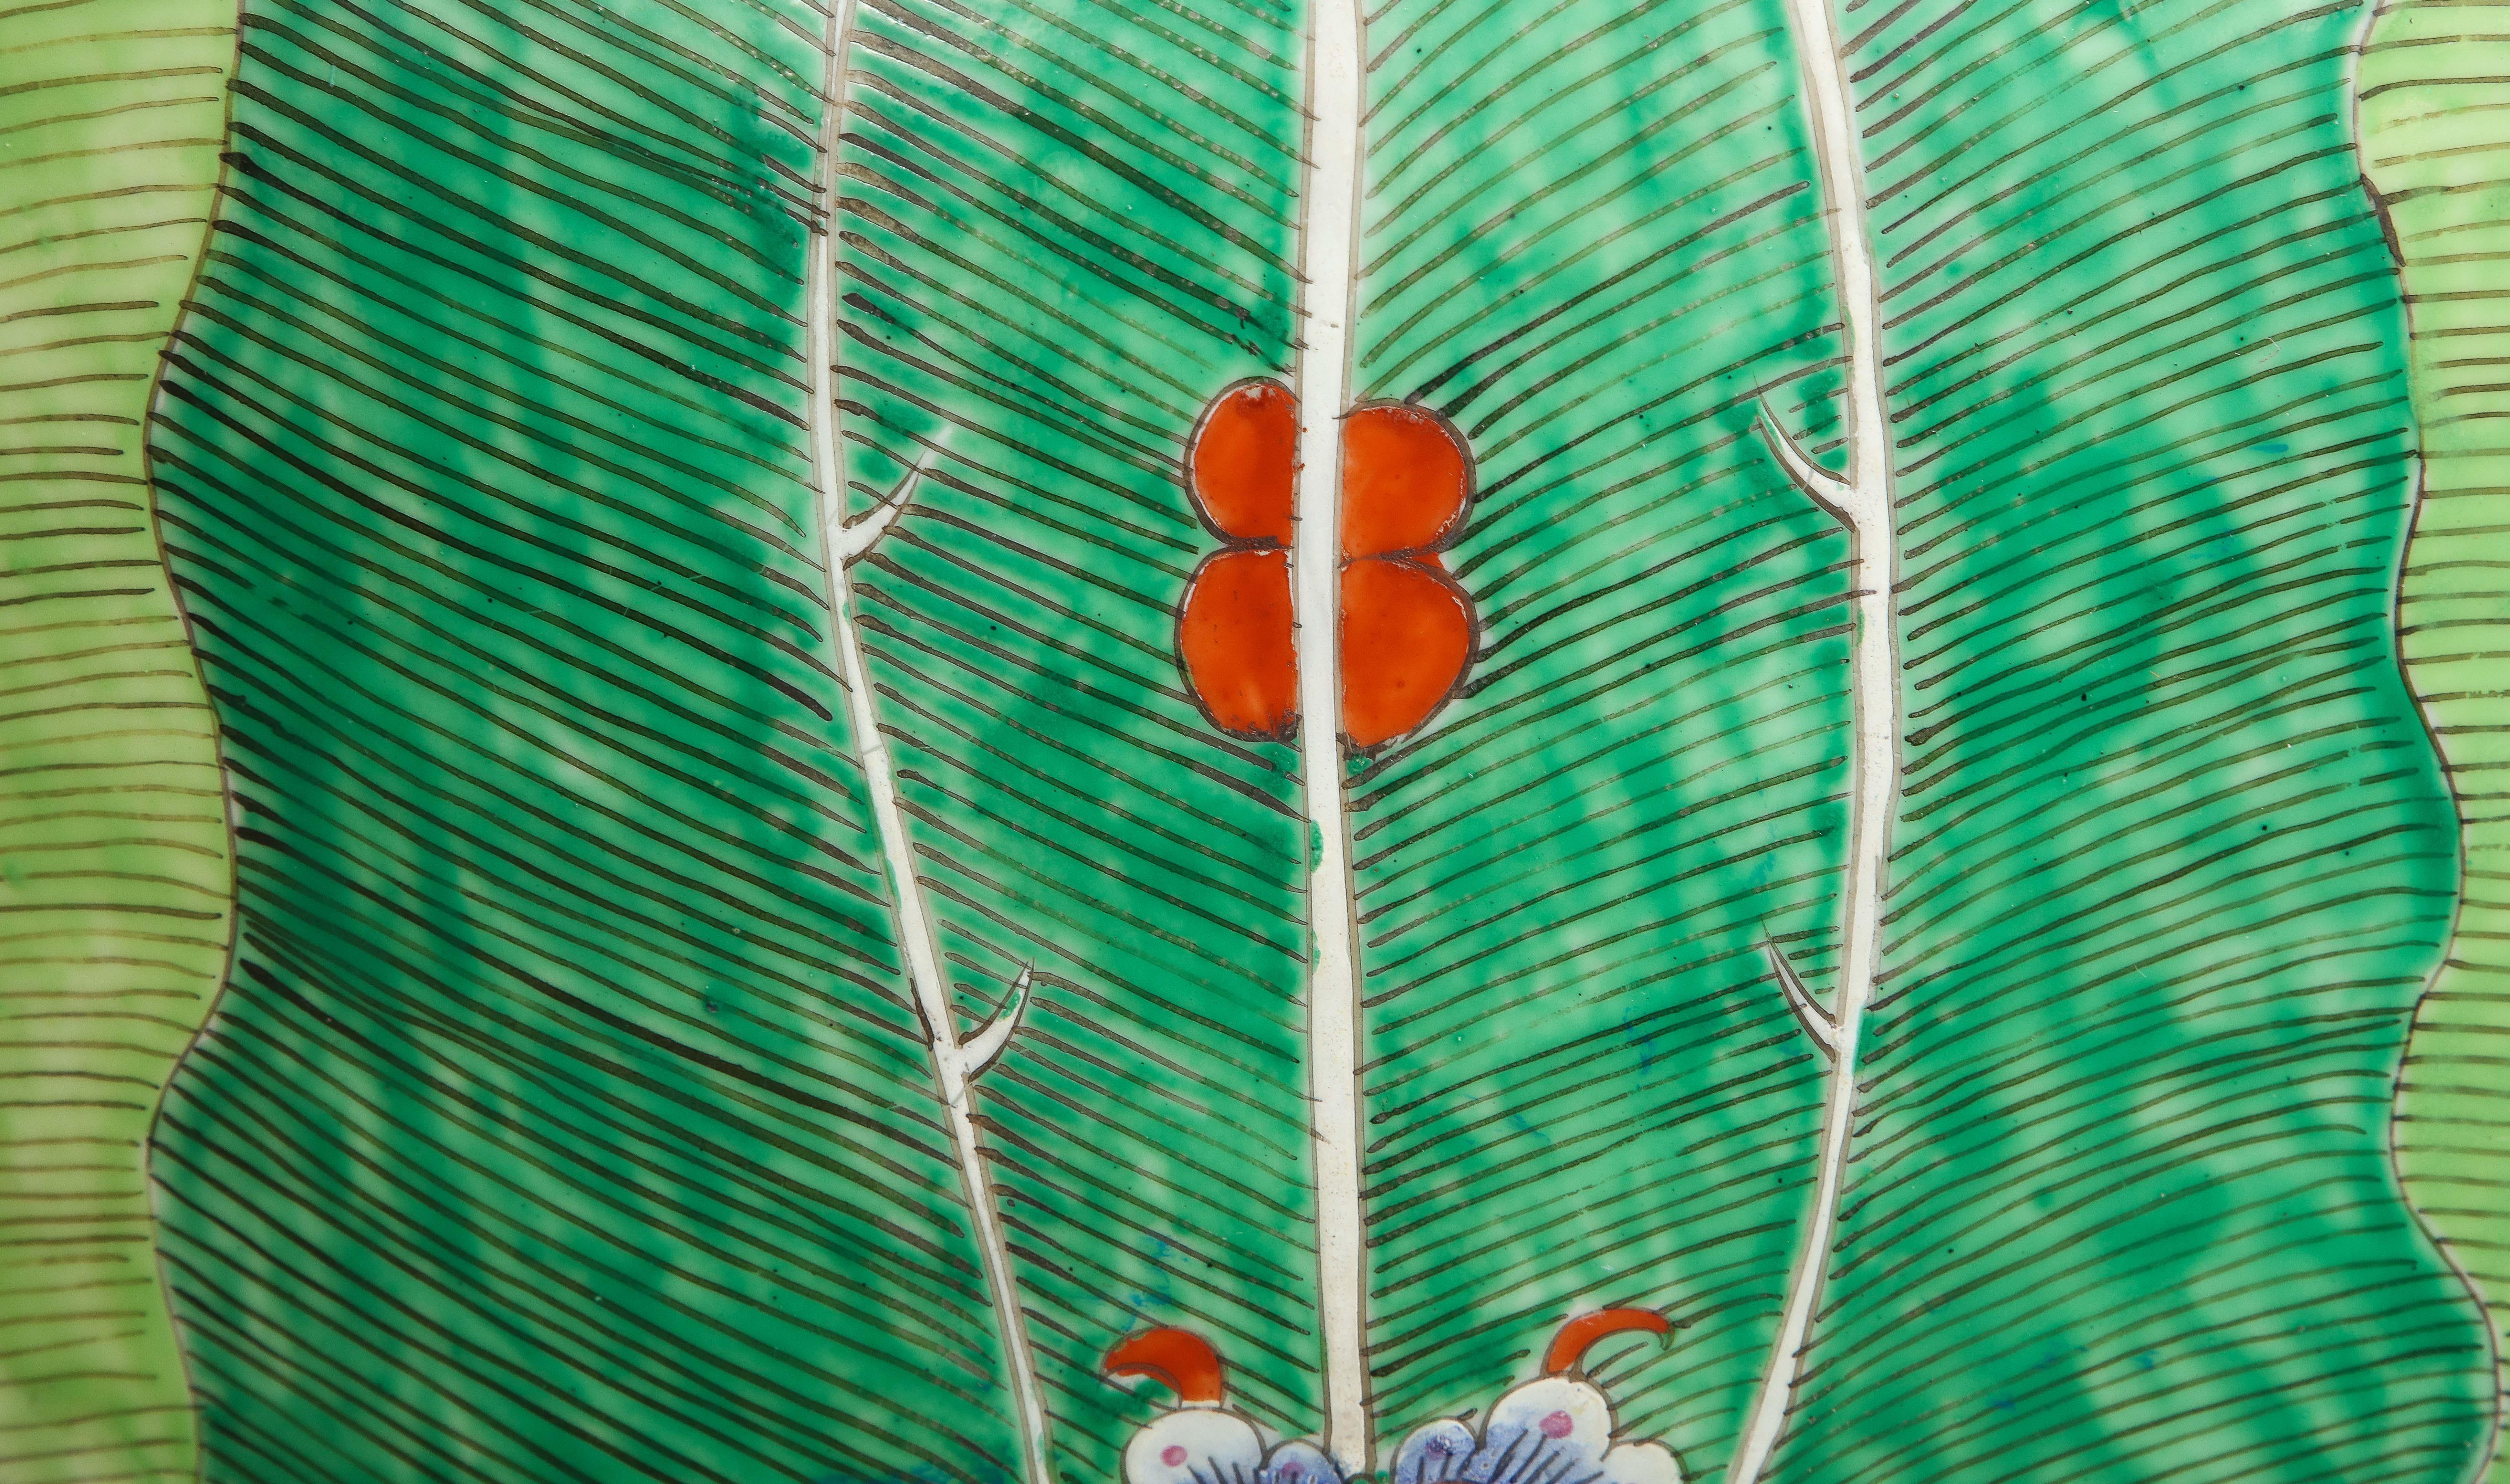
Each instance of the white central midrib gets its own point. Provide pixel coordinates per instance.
(1874, 685)
(1329, 239)
(917, 939)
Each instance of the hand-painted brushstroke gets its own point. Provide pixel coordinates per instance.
(1861, 500)
(955, 1061)
(1329, 193)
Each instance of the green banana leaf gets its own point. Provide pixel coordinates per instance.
(565, 1118)
(571, 1113)
(2172, 861)
(1056, 331)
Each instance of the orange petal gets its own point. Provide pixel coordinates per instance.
(1407, 634)
(1242, 459)
(1405, 480)
(1234, 637)
(1176, 1358)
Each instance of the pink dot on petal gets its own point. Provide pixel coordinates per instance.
(1558, 1424)
(1172, 1455)
(1293, 1469)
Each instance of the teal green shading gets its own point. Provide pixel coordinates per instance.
(566, 1118)
(2176, 858)
(1062, 229)
(1590, 237)
(2173, 858)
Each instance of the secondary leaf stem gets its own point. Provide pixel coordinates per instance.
(954, 1063)
(1862, 503)
(1329, 247)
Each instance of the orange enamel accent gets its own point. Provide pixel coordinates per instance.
(1405, 481)
(1243, 461)
(1568, 1347)
(1407, 633)
(1177, 1359)
(1234, 637)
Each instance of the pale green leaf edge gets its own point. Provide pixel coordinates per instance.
(115, 882)
(2435, 137)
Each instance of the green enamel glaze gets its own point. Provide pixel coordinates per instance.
(2436, 143)
(1587, 1089)
(114, 876)
(1056, 329)
(567, 1117)
(2175, 856)
(2172, 859)
(571, 1118)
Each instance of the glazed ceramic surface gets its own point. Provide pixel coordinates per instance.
(1246, 742)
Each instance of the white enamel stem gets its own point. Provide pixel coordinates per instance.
(977, 1051)
(1817, 1023)
(1862, 502)
(953, 1065)
(1329, 247)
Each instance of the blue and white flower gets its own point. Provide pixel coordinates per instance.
(1201, 1442)
(1557, 1429)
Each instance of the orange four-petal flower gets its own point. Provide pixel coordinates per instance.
(1407, 626)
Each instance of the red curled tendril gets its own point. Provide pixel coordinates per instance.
(1570, 1344)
